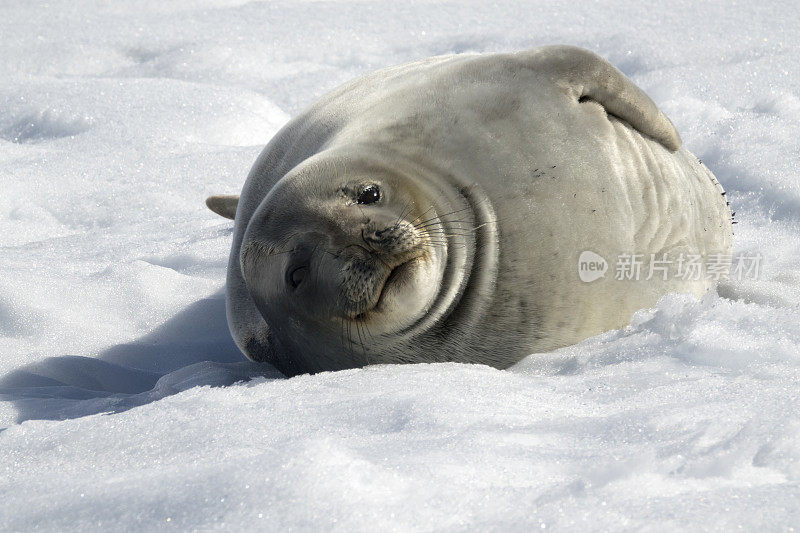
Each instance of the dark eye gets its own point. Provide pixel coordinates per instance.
(296, 276)
(369, 194)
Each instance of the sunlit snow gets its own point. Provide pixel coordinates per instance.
(126, 406)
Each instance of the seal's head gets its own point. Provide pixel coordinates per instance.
(339, 257)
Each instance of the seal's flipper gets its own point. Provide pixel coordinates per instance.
(223, 204)
(590, 77)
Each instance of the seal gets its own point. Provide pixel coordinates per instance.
(441, 211)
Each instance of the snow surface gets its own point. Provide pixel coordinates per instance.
(126, 405)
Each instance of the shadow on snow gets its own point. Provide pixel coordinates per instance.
(192, 349)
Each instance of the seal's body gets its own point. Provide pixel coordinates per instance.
(437, 211)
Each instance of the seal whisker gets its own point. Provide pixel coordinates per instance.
(409, 204)
(361, 341)
(467, 230)
(341, 330)
(440, 223)
(350, 336)
(364, 346)
(447, 214)
(438, 220)
(439, 234)
(434, 238)
(443, 231)
(422, 214)
(366, 327)
(437, 245)
(371, 338)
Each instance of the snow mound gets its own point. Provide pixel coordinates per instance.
(43, 125)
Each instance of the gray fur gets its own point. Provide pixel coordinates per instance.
(223, 204)
(499, 170)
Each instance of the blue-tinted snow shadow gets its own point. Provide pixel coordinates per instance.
(193, 348)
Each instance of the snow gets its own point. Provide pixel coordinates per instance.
(125, 405)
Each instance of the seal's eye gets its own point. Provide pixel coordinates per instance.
(296, 276)
(369, 194)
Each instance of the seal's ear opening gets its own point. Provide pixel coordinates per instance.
(223, 204)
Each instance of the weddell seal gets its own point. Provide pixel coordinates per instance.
(437, 211)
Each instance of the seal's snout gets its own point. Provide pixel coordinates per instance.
(396, 239)
(361, 279)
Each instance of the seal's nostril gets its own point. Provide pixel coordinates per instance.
(296, 276)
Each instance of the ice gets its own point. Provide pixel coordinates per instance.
(125, 405)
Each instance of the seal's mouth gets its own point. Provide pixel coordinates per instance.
(398, 276)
